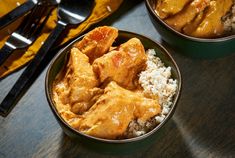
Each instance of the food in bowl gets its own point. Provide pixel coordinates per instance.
(113, 92)
(198, 18)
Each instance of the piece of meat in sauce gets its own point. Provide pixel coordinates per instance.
(122, 65)
(192, 10)
(77, 86)
(165, 8)
(211, 25)
(97, 42)
(110, 116)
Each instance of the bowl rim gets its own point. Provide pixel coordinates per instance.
(155, 129)
(196, 39)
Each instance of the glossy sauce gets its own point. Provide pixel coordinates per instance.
(101, 98)
(198, 18)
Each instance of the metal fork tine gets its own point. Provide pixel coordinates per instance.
(36, 20)
(37, 28)
(26, 23)
(27, 32)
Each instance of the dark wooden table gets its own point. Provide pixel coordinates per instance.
(202, 126)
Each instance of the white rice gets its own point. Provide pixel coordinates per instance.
(229, 20)
(156, 81)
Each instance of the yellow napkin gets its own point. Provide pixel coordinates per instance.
(102, 9)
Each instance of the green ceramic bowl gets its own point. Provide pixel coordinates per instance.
(191, 46)
(105, 145)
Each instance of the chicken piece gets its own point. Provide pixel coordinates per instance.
(178, 21)
(212, 26)
(97, 42)
(77, 86)
(110, 116)
(192, 26)
(165, 8)
(122, 65)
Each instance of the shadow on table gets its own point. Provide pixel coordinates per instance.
(170, 144)
(205, 112)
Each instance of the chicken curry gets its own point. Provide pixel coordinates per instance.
(198, 18)
(97, 91)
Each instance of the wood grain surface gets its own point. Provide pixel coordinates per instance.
(203, 125)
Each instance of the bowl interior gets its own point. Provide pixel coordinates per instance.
(61, 59)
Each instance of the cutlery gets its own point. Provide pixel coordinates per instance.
(16, 13)
(21, 10)
(70, 12)
(28, 31)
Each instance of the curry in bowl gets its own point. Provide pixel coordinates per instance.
(198, 18)
(113, 92)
